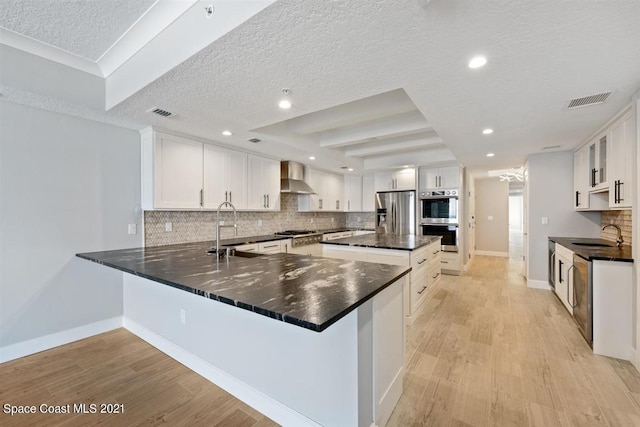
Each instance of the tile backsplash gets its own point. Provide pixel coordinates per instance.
(620, 218)
(196, 226)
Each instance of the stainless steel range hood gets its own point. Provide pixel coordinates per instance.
(292, 179)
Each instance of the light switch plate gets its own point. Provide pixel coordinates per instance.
(545, 220)
(132, 229)
(168, 226)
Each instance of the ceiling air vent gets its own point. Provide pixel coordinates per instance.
(160, 112)
(255, 140)
(551, 147)
(585, 101)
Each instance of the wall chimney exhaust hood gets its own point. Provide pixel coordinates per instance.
(292, 179)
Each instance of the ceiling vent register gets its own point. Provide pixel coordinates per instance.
(586, 101)
(160, 112)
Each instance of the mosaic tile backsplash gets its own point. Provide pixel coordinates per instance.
(620, 218)
(197, 226)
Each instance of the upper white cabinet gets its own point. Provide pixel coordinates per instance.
(352, 193)
(264, 183)
(172, 172)
(598, 162)
(581, 178)
(401, 180)
(329, 188)
(620, 140)
(368, 193)
(225, 177)
(440, 177)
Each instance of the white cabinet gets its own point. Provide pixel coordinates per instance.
(564, 276)
(352, 193)
(329, 192)
(598, 171)
(441, 177)
(264, 184)
(368, 193)
(172, 172)
(581, 178)
(225, 177)
(620, 140)
(335, 236)
(401, 180)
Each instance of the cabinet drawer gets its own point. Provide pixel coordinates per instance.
(434, 274)
(272, 247)
(419, 286)
(419, 260)
(252, 247)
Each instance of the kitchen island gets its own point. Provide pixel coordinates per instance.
(421, 253)
(305, 340)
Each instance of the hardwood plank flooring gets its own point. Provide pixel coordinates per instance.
(118, 367)
(486, 351)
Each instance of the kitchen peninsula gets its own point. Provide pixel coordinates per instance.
(305, 340)
(421, 253)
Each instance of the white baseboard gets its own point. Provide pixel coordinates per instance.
(538, 284)
(492, 253)
(36, 345)
(273, 409)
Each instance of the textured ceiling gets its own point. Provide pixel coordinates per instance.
(87, 28)
(541, 54)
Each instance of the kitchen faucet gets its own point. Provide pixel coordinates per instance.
(235, 225)
(619, 239)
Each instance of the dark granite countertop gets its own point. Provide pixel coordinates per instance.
(407, 242)
(310, 292)
(591, 253)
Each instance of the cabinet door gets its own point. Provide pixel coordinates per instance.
(271, 181)
(450, 177)
(368, 193)
(581, 179)
(235, 178)
(178, 172)
(429, 178)
(384, 181)
(621, 160)
(405, 179)
(263, 186)
(215, 191)
(316, 181)
(335, 192)
(352, 193)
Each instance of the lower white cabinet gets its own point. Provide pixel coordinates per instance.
(425, 263)
(339, 235)
(269, 247)
(563, 276)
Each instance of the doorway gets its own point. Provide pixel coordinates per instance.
(516, 222)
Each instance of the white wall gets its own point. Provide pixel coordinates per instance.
(492, 201)
(550, 194)
(67, 185)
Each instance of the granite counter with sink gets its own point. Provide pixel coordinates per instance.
(595, 249)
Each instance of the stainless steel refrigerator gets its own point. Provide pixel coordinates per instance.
(396, 212)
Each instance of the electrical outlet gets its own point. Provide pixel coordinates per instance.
(132, 229)
(168, 226)
(545, 220)
(183, 316)
(221, 222)
(259, 223)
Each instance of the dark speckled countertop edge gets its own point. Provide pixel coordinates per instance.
(593, 253)
(258, 310)
(347, 242)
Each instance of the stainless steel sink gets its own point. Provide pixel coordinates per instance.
(597, 245)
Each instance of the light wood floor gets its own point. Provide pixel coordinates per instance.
(118, 367)
(487, 351)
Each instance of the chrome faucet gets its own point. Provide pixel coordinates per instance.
(235, 226)
(619, 238)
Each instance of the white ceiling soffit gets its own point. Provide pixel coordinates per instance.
(383, 124)
(128, 42)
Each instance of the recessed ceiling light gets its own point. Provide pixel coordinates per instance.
(405, 166)
(285, 104)
(477, 62)
(350, 169)
(490, 154)
(487, 131)
(312, 157)
(227, 133)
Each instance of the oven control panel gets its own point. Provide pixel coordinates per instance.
(439, 193)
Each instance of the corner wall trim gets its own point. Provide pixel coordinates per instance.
(36, 345)
(538, 284)
(492, 253)
(273, 409)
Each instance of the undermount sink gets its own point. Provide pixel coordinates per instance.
(598, 245)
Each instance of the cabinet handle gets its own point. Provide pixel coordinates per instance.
(271, 246)
(268, 202)
(201, 197)
(230, 200)
(593, 177)
(319, 203)
(437, 274)
(444, 262)
(264, 200)
(286, 248)
(577, 198)
(439, 181)
(226, 195)
(423, 260)
(560, 272)
(337, 204)
(421, 290)
(436, 252)
(348, 205)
